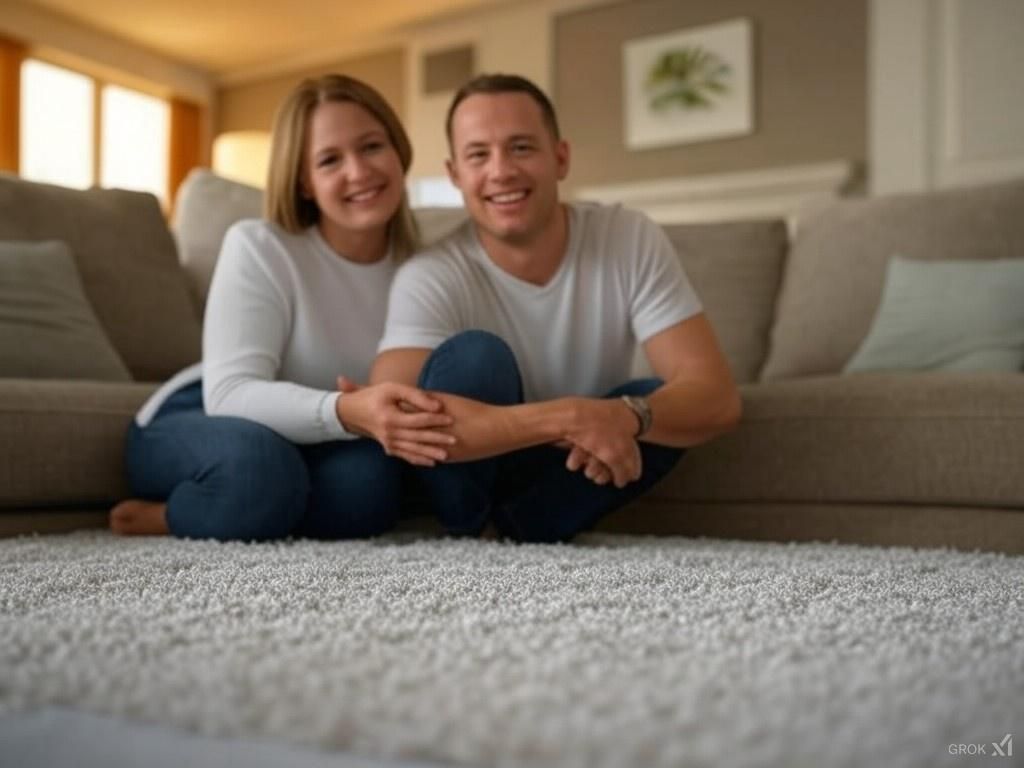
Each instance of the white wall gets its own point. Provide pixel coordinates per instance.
(945, 93)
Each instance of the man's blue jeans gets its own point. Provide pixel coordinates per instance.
(529, 495)
(229, 478)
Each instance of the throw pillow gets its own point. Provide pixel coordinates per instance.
(947, 315)
(48, 329)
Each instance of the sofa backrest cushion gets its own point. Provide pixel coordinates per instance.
(127, 261)
(206, 206)
(832, 283)
(735, 267)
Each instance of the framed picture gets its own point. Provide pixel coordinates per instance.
(689, 85)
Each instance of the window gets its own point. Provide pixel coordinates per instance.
(134, 146)
(56, 125)
(58, 143)
(434, 191)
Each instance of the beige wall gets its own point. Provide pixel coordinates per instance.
(810, 75)
(251, 106)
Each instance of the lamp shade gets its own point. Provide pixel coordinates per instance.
(242, 156)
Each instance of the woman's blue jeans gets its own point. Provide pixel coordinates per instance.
(233, 479)
(529, 495)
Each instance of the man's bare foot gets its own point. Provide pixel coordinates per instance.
(135, 517)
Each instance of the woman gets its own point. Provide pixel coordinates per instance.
(264, 445)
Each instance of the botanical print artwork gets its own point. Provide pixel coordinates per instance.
(689, 77)
(690, 85)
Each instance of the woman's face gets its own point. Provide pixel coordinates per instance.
(352, 172)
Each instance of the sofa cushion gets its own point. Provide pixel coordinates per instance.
(833, 278)
(128, 265)
(947, 315)
(47, 327)
(735, 268)
(62, 442)
(437, 223)
(942, 438)
(206, 206)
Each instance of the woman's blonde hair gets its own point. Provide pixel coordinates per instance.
(284, 203)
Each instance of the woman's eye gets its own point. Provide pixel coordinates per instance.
(373, 146)
(326, 160)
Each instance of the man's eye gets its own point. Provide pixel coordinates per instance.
(476, 156)
(521, 148)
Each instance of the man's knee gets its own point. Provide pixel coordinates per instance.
(475, 364)
(638, 387)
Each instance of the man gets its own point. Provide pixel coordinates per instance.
(528, 317)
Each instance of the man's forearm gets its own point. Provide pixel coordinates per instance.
(690, 412)
(482, 430)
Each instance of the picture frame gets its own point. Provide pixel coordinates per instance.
(690, 85)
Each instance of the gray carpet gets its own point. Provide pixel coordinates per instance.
(618, 651)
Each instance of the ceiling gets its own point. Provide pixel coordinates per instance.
(227, 37)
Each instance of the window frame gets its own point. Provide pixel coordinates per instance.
(101, 78)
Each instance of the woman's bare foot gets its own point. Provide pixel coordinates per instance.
(135, 517)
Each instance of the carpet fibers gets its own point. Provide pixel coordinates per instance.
(616, 651)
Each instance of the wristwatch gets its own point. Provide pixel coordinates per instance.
(642, 410)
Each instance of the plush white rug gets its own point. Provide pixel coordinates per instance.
(617, 651)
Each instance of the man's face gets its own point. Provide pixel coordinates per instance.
(507, 164)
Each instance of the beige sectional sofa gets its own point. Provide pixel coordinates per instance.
(905, 458)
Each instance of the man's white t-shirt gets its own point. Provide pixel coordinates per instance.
(285, 316)
(619, 284)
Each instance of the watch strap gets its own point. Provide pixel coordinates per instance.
(642, 410)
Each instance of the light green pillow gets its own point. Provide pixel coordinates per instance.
(947, 315)
(48, 329)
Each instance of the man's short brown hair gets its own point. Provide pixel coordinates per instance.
(500, 83)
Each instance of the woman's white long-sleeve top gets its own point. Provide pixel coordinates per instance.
(285, 316)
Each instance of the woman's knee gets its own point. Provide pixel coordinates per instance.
(256, 488)
(355, 491)
(476, 364)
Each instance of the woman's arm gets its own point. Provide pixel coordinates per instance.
(246, 330)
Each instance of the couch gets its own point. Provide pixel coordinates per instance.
(928, 459)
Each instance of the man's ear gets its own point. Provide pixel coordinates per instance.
(453, 175)
(562, 158)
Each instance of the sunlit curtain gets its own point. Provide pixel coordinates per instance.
(12, 53)
(185, 143)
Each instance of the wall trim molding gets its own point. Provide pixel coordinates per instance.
(766, 193)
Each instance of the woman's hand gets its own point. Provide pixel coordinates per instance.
(407, 422)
